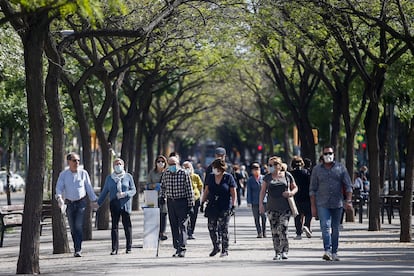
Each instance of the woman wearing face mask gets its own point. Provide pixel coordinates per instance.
(197, 188)
(220, 192)
(154, 183)
(121, 188)
(279, 185)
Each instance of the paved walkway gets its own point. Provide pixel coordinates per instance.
(361, 252)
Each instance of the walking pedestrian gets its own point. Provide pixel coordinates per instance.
(197, 189)
(238, 177)
(121, 188)
(302, 199)
(220, 192)
(254, 185)
(329, 181)
(72, 188)
(219, 153)
(154, 183)
(177, 189)
(279, 185)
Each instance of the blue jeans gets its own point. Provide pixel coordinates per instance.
(329, 221)
(75, 212)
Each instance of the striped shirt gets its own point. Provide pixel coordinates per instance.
(177, 185)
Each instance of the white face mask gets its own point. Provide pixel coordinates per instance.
(272, 169)
(216, 171)
(119, 168)
(160, 165)
(328, 158)
(188, 170)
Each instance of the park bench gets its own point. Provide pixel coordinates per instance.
(12, 216)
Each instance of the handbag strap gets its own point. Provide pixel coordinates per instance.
(287, 182)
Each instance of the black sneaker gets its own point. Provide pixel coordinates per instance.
(214, 252)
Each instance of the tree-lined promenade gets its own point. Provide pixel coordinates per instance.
(134, 78)
(361, 251)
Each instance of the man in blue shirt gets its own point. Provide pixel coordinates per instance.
(72, 187)
(329, 182)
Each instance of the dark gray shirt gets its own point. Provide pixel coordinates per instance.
(275, 188)
(327, 185)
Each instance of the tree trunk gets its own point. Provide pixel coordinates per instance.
(139, 136)
(33, 43)
(103, 213)
(406, 204)
(307, 142)
(87, 165)
(371, 126)
(60, 237)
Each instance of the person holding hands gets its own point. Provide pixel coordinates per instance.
(121, 189)
(72, 188)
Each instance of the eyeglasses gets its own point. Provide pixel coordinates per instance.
(75, 160)
(328, 153)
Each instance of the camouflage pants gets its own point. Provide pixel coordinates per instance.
(279, 222)
(219, 231)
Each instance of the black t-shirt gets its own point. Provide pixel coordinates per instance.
(220, 193)
(302, 180)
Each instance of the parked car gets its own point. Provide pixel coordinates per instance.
(17, 182)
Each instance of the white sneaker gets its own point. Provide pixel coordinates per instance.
(278, 257)
(335, 257)
(327, 256)
(298, 237)
(307, 232)
(284, 255)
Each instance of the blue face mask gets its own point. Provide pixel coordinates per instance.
(172, 168)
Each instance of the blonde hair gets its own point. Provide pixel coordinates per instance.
(118, 159)
(276, 159)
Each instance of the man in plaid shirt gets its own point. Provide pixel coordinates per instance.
(177, 189)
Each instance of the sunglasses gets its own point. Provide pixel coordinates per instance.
(328, 153)
(162, 162)
(75, 160)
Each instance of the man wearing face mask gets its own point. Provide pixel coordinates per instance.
(176, 187)
(328, 181)
(121, 188)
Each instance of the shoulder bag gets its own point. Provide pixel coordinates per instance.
(291, 200)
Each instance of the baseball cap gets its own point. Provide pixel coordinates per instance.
(220, 151)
